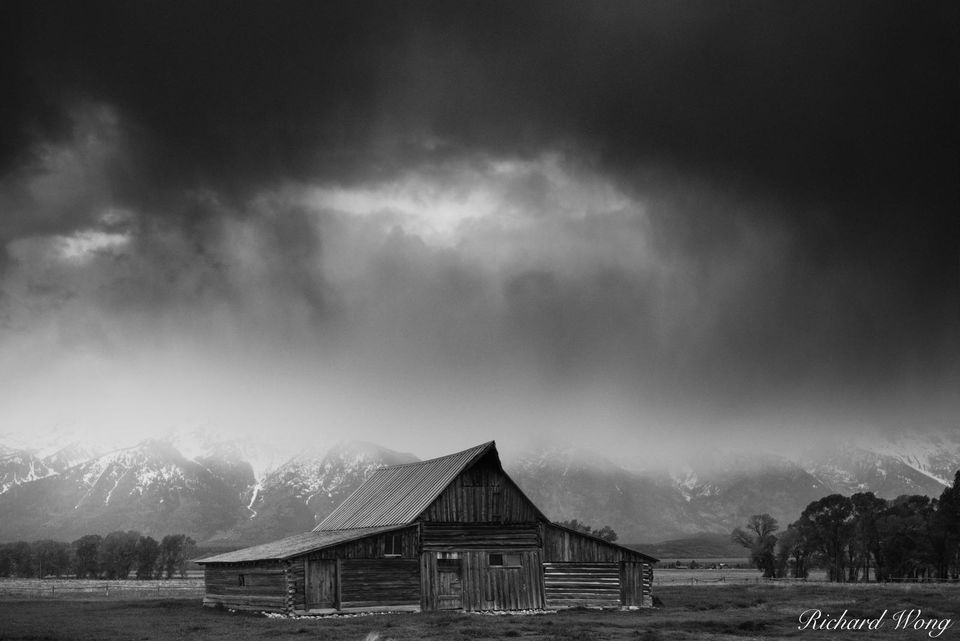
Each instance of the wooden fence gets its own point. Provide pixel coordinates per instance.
(100, 589)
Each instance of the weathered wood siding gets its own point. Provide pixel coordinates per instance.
(264, 586)
(328, 587)
(562, 545)
(375, 583)
(484, 587)
(373, 547)
(296, 584)
(460, 536)
(320, 588)
(428, 581)
(582, 584)
(634, 583)
(647, 583)
(582, 570)
(482, 494)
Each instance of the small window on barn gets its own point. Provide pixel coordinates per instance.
(505, 560)
(392, 545)
(241, 580)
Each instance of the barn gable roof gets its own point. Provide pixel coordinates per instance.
(295, 545)
(398, 494)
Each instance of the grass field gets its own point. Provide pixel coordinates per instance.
(686, 576)
(688, 613)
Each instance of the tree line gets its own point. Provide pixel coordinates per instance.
(113, 556)
(606, 532)
(862, 538)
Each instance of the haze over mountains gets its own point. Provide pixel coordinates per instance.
(225, 492)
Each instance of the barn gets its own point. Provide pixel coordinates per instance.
(450, 533)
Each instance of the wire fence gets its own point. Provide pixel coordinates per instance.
(664, 578)
(717, 580)
(100, 589)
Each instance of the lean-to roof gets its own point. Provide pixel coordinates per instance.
(295, 545)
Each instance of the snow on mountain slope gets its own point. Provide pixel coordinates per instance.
(305, 489)
(150, 487)
(888, 466)
(937, 455)
(702, 496)
(71, 455)
(20, 466)
(203, 483)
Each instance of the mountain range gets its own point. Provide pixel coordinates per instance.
(212, 491)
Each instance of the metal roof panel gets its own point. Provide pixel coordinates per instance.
(295, 545)
(398, 494)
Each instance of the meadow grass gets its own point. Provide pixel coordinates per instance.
(687, 613)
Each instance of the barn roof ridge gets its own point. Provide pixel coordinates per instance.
(485, 446)
(398, 494)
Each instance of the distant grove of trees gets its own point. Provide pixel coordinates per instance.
(113, 556)
(909, 538)
(606, 532)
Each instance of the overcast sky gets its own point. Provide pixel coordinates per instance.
(638, 224)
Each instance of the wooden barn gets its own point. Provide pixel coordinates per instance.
(451, 533)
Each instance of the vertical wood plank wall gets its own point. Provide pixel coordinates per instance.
(563, 545)
(631, 583)
(486, 587)
(320, 589)
(374, 583)
(482, 494)
(372, 547)
(459, 536)
(636, 584)
(428, 581)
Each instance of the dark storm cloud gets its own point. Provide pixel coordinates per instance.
(795, 163)
(805, 97)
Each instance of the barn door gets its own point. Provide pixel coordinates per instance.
(321, 583)
(449, 584)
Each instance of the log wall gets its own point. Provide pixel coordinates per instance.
(647, 583)
(296, 584)
(582, 558)
(264, 586)
(569, 585)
